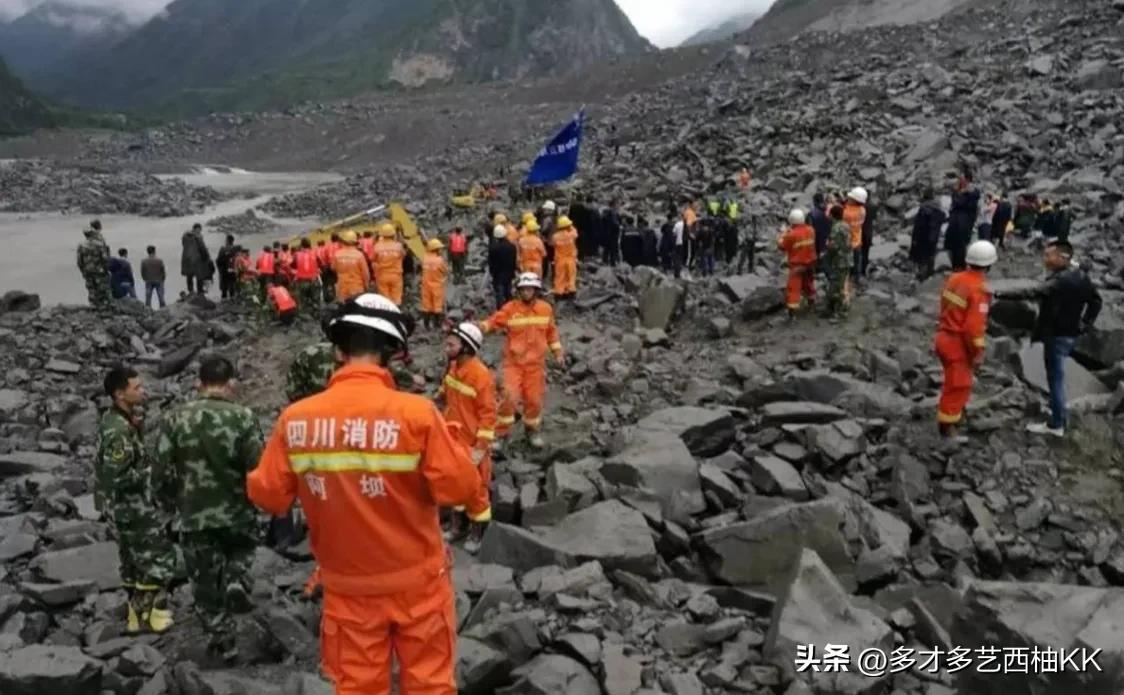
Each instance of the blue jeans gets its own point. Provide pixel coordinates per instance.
(1055, 351)
(149, 288)
(706, 262)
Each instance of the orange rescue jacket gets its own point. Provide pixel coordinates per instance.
(388, 257)
(799, 242)
(352, 273)
(470, 399)
(307, 267)
(371, 467)
(281, 300)
(532, 252)
(965, 302)
(434, 271)
(266, 263)
(531, 330)
(854, 215)
(565, 243)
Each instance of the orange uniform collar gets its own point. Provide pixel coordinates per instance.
(355, 372)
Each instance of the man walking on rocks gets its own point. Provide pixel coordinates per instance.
(122, 472)
(353, 273)
(961, 221)
(565, 243)
(204, 451)
(388, 256)
(531, 332)
(502, 259)
(926, 235)
(1068, 306)
(371, 468)
(961, 334)
(854, 214)
(799, 244)
(469, 392)
(196, 260)
(228, 282)
(837, 264)
(93, 262)
(308, 279)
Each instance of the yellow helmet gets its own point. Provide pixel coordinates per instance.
(434, 245)
(500, 218)
(532, 226)
(386, 229)
(349, 237)
(564, 222)
(528, 216)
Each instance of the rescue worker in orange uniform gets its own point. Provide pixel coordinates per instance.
(266, 267)
(353, 275)
(283, 305)
(565, 243)
(961, 334)
(435, 271)
(284, 266)
(532, 251)
(371, 467)
(389, 254)
(799, 243)
(854, 214)
(307, 277)
(531, 331)
(325, 254)
(469, 392)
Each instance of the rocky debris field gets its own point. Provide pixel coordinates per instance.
(247, 223)
(720, 487)
(38, 186)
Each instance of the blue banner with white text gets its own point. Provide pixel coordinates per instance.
(558, 161)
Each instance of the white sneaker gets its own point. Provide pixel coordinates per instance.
(1044, 428)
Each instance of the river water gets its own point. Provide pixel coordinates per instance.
(39, 250)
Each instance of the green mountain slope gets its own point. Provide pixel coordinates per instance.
(202, 55)
(20, 110)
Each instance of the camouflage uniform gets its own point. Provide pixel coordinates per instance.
(203, 453)
(124, 494)
(838, 259)
(93, 261)
(308, 297)
(314, 365)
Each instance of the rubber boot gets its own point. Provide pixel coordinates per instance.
(132, 621)
(152, 609)
(475, 535)
(238, 598)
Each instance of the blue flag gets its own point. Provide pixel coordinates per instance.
(559, 159)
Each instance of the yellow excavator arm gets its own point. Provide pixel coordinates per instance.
(369, 220)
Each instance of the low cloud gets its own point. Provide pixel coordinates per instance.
(135, 10)
(668, 23)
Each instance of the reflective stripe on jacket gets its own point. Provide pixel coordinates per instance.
(531, 331)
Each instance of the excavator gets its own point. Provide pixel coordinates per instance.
(368, 221)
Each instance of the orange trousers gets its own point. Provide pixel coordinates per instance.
(526, 386)
(390, 286)
(957, 388)
(801, 282)
(565, 275)
(359, 634)
(432, 299)
(485, 470)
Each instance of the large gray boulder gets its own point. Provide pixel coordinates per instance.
(1043, 616)
(48, 670)
(759, 552)
(814, 609)
(846, 392)
(762, 302)
(609, 532)
(706, 431)
(97, 562)
(552, 674)
(659, 461)
(1100, 348)
(658, 305)
(480, 668)
(739, 287)
(1078, 381)
(23, 462)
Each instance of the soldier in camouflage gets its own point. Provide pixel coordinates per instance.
(838, 259)
(203, 453)
(93, 262)
(122, 472)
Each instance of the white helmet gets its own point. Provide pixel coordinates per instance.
(376, 312)
(528, 280)
(549, 206)
(859, 195)
(470, 335)
(796, 217)
(982, 254)
(499, 231)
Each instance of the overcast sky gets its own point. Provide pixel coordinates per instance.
(664, 22)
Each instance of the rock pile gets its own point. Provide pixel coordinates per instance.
(248, 222)
(35, 186)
